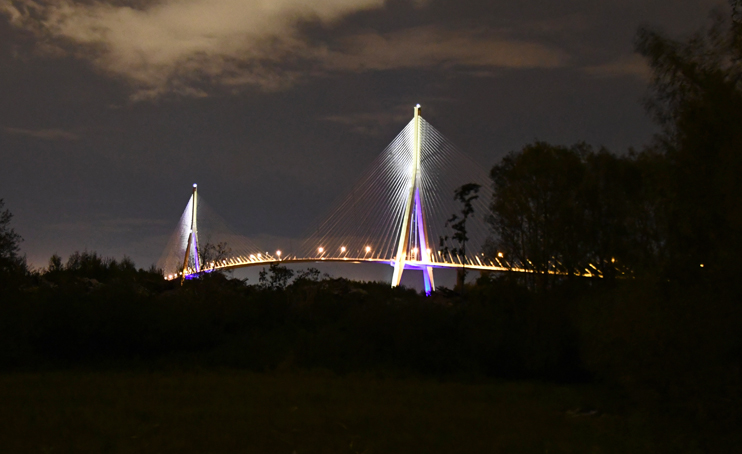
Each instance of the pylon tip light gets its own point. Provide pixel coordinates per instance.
(195, 185)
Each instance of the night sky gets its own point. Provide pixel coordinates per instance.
(110, 110)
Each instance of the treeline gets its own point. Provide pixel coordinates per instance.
(93, 311)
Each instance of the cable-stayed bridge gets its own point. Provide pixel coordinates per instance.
(397, 213)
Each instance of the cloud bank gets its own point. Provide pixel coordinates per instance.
(190, 46)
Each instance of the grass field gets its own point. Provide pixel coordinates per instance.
(312, 412)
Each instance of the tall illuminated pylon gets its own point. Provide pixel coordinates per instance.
(414, 208)
(192, 237)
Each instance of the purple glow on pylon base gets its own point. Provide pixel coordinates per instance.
(423, 241)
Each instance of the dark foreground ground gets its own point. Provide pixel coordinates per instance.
(319, 412)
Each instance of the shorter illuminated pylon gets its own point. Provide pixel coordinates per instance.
(192, 237)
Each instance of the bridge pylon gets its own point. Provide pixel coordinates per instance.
(414, 214)
(192, 237)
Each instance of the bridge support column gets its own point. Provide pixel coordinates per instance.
(414, 208)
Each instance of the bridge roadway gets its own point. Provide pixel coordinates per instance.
(230, 264)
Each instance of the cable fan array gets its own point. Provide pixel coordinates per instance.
(172, 258)
(216, 246)
(366, 225)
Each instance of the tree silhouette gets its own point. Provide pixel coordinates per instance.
(279, 277)
(464, 194)
(12, 264)
(211, 253)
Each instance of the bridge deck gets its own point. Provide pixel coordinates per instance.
(231, 264)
